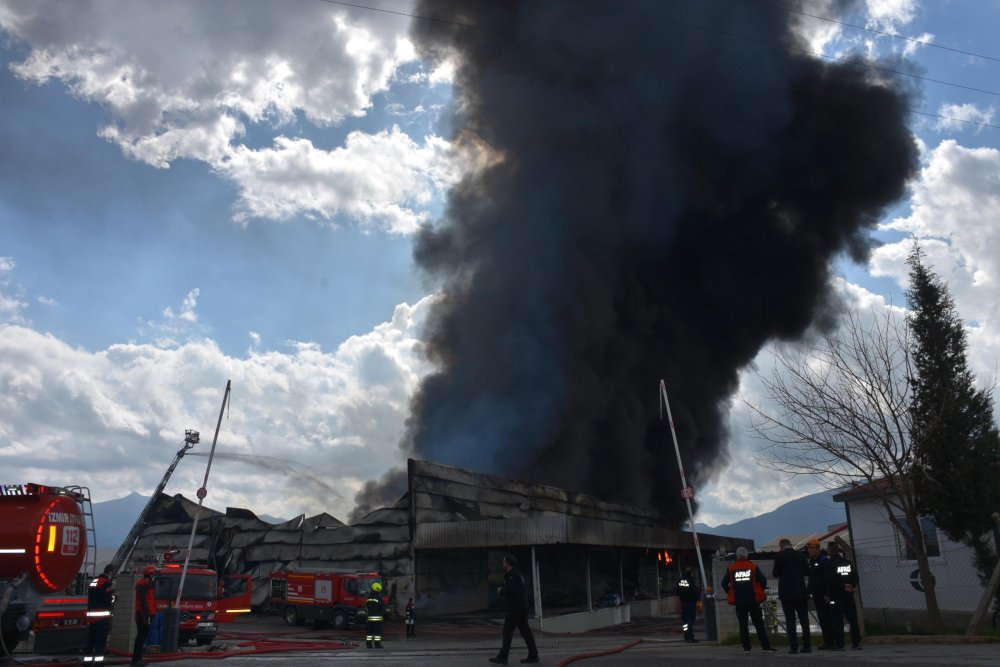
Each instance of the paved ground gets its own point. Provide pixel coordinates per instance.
(473, 642)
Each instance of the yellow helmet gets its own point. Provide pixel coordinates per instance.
(377, 587)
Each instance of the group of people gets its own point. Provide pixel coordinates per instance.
(825, 576)
(100, 605)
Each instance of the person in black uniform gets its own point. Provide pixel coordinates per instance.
(688, 592)
(841, 578)
(100, 600)
(791, 568)
(411, 619)
(375, 611)
(817, 589)
(516, 592)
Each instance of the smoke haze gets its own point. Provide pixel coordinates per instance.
(665, 200)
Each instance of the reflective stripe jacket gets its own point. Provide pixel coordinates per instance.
(687, 591)
(375, 608)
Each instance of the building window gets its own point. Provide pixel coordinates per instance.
(931, 545)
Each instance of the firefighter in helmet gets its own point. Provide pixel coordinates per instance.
(100, 600)
(375, 609)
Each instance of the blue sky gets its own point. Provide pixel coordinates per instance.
(243, 206)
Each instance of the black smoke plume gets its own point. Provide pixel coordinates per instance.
(673, 181)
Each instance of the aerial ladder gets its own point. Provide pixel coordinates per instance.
(191, 439)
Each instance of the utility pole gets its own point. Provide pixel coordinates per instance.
(687, 492)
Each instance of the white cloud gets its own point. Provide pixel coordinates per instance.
(379, 180)
(955, 206)
(12, 303)
(955, 114)
(243, 61)
(887, 14)
(113, 419)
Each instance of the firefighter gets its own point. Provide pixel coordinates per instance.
(744, 584)
(100, 600)
(689, 593)
(411, 614)
(145, 608)
(841, 579)
(375, 610)
(791, 569)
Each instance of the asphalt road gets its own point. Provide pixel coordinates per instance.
(471, 641)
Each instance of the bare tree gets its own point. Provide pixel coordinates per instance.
(839, 411)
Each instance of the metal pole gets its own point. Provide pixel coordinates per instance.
(684, 488)
(202, 492)
(590, 599)
(538, 587)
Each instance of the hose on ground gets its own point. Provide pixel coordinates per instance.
(597, 654)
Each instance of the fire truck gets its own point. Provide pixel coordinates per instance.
(44, 566)
(205, 602)
(334, 598)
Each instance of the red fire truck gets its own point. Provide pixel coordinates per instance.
(206, 600)
(43, 546)
(334, 597)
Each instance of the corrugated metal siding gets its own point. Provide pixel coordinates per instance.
(559, 530)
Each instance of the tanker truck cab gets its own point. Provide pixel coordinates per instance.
(43, 566)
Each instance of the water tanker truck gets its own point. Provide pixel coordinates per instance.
(43, 548)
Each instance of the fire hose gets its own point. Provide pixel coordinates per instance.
(597, 654)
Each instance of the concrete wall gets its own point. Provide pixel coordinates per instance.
(584, 621)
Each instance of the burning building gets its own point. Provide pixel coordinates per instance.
(442, 542)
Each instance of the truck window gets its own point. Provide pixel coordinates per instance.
(196, 586)
(351, 586)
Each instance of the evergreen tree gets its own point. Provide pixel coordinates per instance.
(956, 444)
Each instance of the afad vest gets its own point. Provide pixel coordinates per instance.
(743, 573)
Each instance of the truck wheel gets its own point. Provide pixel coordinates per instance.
(10, 640)
(339, 620)
(204, 641)
(292, 616)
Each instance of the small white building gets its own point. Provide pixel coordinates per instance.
(891, 590)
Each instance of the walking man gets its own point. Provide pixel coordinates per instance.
(688, 592)
(744, 584)
(817, 590)
(100, 600)
(516, 592)
(791, 568)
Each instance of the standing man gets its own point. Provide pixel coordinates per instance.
(100, 600)
(411, 619)
(744, 584)
(791, 568)
(841, 579)
(817, 590)
(375, 611)
(688, 592)
(145, 608)
(516, 592)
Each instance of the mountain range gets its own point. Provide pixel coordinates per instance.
(808, 514)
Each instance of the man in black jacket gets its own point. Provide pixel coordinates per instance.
(688, 592)
(841, 579)
(817, 589)
(516, 592)
(791, 569)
